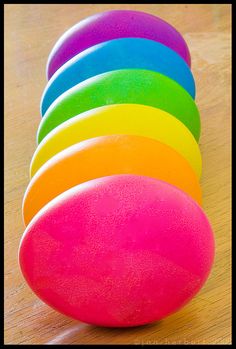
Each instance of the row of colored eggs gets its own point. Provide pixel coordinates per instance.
(114, 230)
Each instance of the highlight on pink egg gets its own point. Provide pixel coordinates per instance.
(118, 251)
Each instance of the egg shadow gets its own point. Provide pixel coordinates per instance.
(81, 333)
(110, 333)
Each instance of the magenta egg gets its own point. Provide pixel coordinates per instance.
(118, 251)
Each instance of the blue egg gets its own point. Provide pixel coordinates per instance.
(126, 53)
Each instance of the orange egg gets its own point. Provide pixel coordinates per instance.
(105, 156)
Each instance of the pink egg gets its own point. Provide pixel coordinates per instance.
(118, 251)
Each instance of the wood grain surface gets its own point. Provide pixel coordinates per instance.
(30, 33)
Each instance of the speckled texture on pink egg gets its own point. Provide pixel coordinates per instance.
(119, 251)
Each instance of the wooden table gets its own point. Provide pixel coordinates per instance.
(30, 33)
